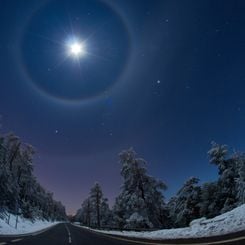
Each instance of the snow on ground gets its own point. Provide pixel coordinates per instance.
(24, 225)
(229, 222)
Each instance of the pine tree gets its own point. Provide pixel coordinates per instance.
(210, 203)
(96, 199)
(106, 213)
(95, 210)
(140, 203)
(185, 205)
(228, 174)
(84, 214)
(19, 190)
(240, 178)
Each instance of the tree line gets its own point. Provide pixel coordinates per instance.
(20, 192)
(141, 203)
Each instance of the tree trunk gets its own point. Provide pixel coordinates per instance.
(13, 157)
(98, 209)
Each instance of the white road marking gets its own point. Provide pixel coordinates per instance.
(3, 243)
(17, 240)
(69, 234)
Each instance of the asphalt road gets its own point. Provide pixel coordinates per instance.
(67, 234)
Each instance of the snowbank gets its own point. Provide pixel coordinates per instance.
(24, 226)
(226, 223)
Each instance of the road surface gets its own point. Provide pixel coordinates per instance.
(67, 234)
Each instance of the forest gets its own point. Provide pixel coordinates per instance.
(20, 192)
(141, 203)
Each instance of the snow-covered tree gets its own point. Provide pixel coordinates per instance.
(218, 155)
(228, 174)
(184, 207)
(19, 190)
(228, 191)
(83, 215)
(140, 203)
(239, 159)
(95, 210)
(95, 199)
(106, 213)
(210, 203)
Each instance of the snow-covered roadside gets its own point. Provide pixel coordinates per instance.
(24, 226)
(229, 222)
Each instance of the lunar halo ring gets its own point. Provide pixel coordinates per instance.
(83, 101)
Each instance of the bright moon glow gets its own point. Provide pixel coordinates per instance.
(77, 49)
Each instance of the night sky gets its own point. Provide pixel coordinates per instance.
(165, 77)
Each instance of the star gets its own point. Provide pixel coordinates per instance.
(158, 81)
(56, 131)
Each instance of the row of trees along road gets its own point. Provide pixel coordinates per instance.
(20, 192)
(141, 203)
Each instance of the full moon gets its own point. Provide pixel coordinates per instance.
(77, 49)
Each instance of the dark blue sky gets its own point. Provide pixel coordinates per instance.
(166, 77)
